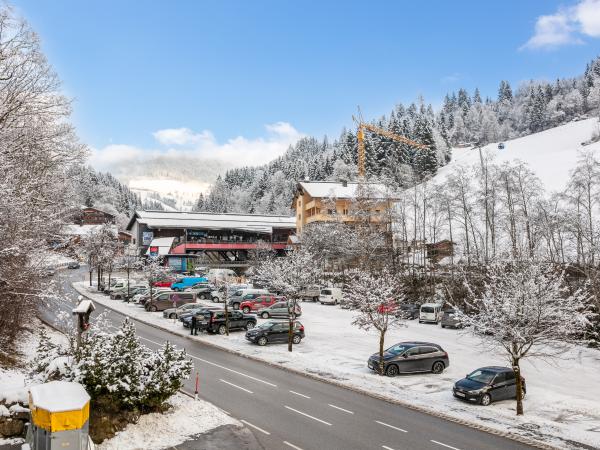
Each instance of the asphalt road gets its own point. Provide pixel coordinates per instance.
(286, 410)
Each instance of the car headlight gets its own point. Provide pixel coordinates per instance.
(479, 391)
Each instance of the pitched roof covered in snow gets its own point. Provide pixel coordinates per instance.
(180, 219)
(341, 190)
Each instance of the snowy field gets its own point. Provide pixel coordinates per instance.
(563, 396)
(552, 154)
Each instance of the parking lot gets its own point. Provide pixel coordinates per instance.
(337, 350)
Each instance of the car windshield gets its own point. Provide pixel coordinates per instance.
(265, 325)
(326, 291)
(427, 309)
(397, 349)
(482, 376)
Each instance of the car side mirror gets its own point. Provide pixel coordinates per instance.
(405, 355)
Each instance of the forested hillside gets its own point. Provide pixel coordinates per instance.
(464, 119)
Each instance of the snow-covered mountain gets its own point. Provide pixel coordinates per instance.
(173, 194)
(551, 154)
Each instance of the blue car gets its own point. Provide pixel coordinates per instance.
(186, 282)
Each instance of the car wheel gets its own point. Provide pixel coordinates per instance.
(172, 316)
(202, 297)
(392, 370)
(265, 315)
(336, 302)
(215, 299)
(153, 308)
(420, 321)
(236, 306)
(296, 339)
(443, 326)
(246, 310)
(438, 367)
(249, 325)
(222, 329)
(262, 341)
(486, 399)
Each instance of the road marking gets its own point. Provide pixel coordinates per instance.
(236, 386)
(391, 426)
(291, 445)
(255, 427)
(444, 445)
(386, 447)
(301, 395)
(309, 416)
(231, 370)
(341, 409)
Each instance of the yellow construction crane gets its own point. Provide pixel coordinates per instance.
(362, 126)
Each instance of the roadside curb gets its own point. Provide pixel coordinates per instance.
(421, 409)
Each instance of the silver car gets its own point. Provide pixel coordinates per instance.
(450, 320)
(174, 313)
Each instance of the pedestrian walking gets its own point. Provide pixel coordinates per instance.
(194, 326)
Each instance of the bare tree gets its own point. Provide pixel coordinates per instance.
(377, 297)
(525, 311)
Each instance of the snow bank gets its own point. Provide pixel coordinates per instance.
(552, 154)
(563, 396)
(187, 418)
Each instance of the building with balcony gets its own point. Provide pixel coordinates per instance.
(209, 239)
(324, 201)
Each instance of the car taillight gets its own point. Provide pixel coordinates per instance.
(301, 327)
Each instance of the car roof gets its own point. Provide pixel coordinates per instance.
(496, 369)
(431, 304)
(415, 343)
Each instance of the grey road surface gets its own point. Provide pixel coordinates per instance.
(287, 410)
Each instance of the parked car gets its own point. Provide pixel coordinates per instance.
(165, 282)
(275, 331)
(214, 321)
(450, 320)
(175, 313)
(487, 385)
(242, 295)
(260, 302)
(330, 296)
(278, 310)
(409, 311)
(106, 287)
(121, 293)
(430, 312)
(186, 317)
(218, 295)
(171, 299)
(202, 290)
(186, 282)
(310, 293)
(411, 357)
(73, 265)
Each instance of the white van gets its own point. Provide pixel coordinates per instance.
(330, 296)
(430, 312)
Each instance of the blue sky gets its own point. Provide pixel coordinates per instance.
(224, 70)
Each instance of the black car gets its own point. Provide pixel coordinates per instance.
(73, 265)
(487, 385)
(186, 317)
(411, 357)
(214, 321)
(409, 311)
(275, 331)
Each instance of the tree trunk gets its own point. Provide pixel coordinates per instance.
(517, 371)
(381, 347)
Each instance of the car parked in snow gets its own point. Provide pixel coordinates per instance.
(430, 313)
(175, 313)
(169, 299)
(186, 317)
(450, 320)
(242, 295)
(73, 265)
(330, 296)
(214, 321)
(487, 385)
(275, 331)
(411, 357)
(409, 311)
(259, 302)
(202, 290)
(278, 310)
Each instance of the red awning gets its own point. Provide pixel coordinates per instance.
(182, 249)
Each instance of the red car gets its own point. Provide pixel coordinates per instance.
(389, 307)
(167, 282)
(259, 302)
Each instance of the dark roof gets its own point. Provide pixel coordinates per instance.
(496, 369)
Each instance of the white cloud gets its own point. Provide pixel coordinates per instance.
(185, 145)
(566, 26)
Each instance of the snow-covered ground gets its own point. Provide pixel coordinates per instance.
(563, 396)
(186, 419)
(551, 153)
